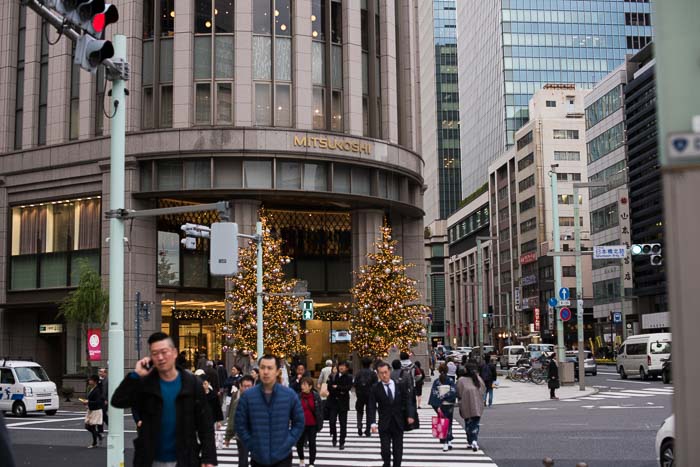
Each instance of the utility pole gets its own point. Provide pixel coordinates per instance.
(561, 355)
(480, 290)
(678, 103)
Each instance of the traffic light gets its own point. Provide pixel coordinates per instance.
(91, 52)
(653, 250)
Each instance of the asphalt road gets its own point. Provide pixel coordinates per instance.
(615, 429)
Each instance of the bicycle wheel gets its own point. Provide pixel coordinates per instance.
(523, 375)
(513, 374)
(537, 377)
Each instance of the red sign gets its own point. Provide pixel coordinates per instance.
(94, 342)
(528, 258)
(565, 314)
(537, 320)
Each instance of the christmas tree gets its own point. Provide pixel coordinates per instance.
(385, 312)
(282, 332)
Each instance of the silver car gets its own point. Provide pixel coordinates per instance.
(589, 364)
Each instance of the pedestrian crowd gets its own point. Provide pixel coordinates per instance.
(269, 411)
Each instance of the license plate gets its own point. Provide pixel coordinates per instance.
(40, 406)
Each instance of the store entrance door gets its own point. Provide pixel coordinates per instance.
(196, 338)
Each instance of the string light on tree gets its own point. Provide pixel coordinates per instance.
(384, 308)
(281, 328)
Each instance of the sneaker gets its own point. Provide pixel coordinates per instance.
(92, 446)
(444, 447)
(449, 445)
(475, 446)
(342, 447)
(301, 464)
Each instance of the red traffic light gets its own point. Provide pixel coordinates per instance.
(101, 20)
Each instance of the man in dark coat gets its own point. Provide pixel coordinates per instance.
(5, 445)
(365, 379)
(339, 387)
(397, 409)
(176, 424)
(552, 376)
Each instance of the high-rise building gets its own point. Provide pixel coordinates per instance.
(308, 108)
(520, 200)
(508, 49)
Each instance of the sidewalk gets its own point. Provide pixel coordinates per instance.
(510, 392)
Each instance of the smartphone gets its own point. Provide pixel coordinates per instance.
(149, 365)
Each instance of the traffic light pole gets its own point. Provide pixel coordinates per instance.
(115, 439)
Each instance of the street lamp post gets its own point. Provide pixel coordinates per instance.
(480, 291)
(557, 260)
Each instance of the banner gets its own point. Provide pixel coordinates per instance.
(94, 342)
(537, 320)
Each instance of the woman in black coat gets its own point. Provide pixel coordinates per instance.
(552, 377)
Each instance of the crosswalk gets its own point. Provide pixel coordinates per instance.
(420, 449)
(608, 393)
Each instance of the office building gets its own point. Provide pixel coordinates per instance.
(508, 49)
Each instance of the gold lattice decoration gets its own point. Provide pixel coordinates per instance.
(172, 222)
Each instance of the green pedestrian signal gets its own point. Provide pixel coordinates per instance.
(307, 309)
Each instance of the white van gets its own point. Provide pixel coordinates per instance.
(643, 355)
(511, 354)
(25, 387)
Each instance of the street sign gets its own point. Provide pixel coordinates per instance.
(564, 293)
(552, 302)
(516, 298)
(565, 314)
(307, 309)
(550, 318)
(564, 302)
(617, 317)
(609, 252)
(579, 304)
(683, 147)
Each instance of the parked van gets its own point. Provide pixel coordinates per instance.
(511, 354)
(644, 355)
(25, 387)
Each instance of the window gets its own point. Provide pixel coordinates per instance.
(569, 199)
(604, 218)
(565, 134)
(272, 44)
(49, 240)
(502, 193)
(568, 271)
(615, 176)
(526, 161)
(327, 80)
(605, 143)
(637, 19)
(567, 156)
(603, 107)
(371, 68)
(528, 246)
(6, 376)
(74, 125)
(566, 221)
(527, 204)
(213, 62)
(19, 92)
(526, 183)
(528, 225)
(525, 140)
(637, 42)
(568, 177)
(157, 81)
(168, 258)
(607, 291)
(551, 103)
(43, 86)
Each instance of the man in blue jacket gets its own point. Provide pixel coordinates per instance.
(269, 418)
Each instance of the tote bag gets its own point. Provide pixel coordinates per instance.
(440, 425)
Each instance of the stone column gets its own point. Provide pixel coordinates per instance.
(302, 101)
(9, 14)
(182, 65)
(366, 229)
(130, 24)
(87, 106)
(30, 122)
(58, 99)
(243, 64)
(352, 68)
(389, 111)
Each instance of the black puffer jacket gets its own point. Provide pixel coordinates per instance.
(193, 419)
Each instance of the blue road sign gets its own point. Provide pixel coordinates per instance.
(565, 314)
(553, 302)
(617, 317)
(564, 293)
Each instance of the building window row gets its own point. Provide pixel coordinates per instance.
(604, 106)
(604, 218)
(19, 94)
(528, 225)
(470, 224)
(638, 42)
(569, 199)
(526, 183)
(528, 246)
(526, 161)
(567, 156)
(157, 79)
(568, 221)
(50, 239)
(568, 177)
(606, 291)
(327, 64)
(527, 204)
(525, 140)
(605, 143)
(615, 176)
(568, 271)
(566, 134)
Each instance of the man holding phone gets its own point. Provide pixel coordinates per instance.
(174, 415)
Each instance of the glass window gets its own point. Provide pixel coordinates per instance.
(283, 59)
(360, 181)
(319, 105)
(227, 173)
(223, 9)
(202, 17)
(261, 17)
(605, 143)
(283, 18)
(262, 58)
(263, 116)
(224, 103)
(288, 175)
(337, 111)
(167, 17)
(224, 57)
(168, 267)
(202, 103)
(166, 60)
(257, 174)
(283, 103)
(315, 177)
(317, 63)
(565, 134)
(341, 178)
(169, 174)
(166, 106)
(198, 174)
(202, 57)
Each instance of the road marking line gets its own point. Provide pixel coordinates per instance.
(543, 408)
(626, 381)
(53, 420)
(643, 407)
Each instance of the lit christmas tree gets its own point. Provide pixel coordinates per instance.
(282, 332)
(384, 301)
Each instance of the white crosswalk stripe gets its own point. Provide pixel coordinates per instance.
(420, 449)
(625, 394)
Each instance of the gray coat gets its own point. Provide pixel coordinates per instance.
(471, 398)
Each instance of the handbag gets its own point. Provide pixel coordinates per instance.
(324, 391)
(440, 426)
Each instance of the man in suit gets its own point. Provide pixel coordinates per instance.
(396, 409)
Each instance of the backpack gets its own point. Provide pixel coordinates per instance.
(363, 381)
(419, 376)
(485, 373)
(407, 378)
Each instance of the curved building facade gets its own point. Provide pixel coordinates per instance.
(309, 109)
